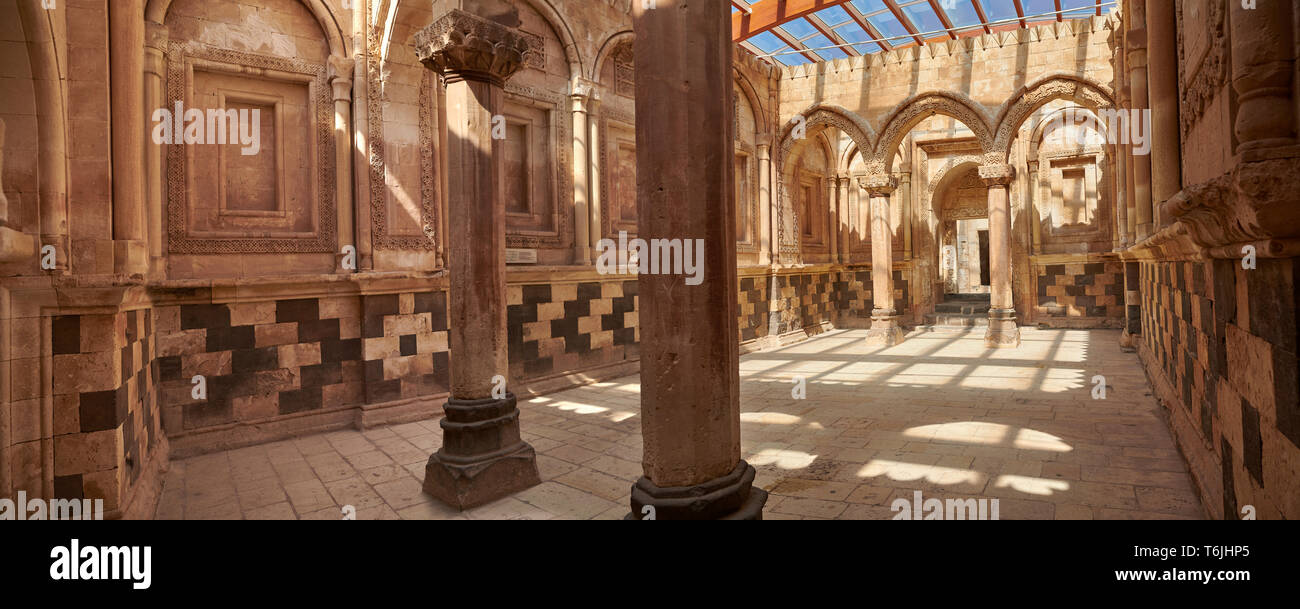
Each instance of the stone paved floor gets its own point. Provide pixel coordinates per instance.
(939, 413)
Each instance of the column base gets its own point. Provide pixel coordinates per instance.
(482, 458)
(885, 331)
(1127, 342)
(731, 497)
(1003, 330)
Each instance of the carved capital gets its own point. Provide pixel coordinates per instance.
(997, 175)
(465, 46)
(584, 88)
(155, 35)
(879, 185)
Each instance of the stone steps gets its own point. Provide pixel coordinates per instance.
(958, 313)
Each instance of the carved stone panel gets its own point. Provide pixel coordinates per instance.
(279, 199)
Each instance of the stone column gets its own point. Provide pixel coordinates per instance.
(832, 229)
(766, 247)
(690, 386)
(905, 200)
(340, 72)
(594, 229)
(852, 222)
(126, 71)
(1165, 129)
(842, 219)
(482, 456)
(154, 70)
(1263, 63)
(1003, 330)
(1136, 41)
(885, 330)
(579, 102)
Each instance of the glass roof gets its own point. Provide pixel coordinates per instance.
(850, 28)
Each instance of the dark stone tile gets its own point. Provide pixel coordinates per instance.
(588, 291)
(132, 331)
(374, 371)
(318, 331)
(407, 344)
(230, 338)
(321, 374)
(372, 326)
(253, 360)
(98, 410)
(334, 350)
(300, 400)
(380, 304)
(534, 294)
(384, 391)
(1229, 485)
(68, 487)
(1252, 450)
(65, 334)
(305, 309)
(577, 308)
(204, 316)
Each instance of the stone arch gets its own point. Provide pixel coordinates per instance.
(1091, 95)
(561, 28)
(951, 169)
(49, 174)
(904, 117)
(1040, 130)
(835, 116)
(606, 49)
(789, 223)
(156, 12)
(755, 104)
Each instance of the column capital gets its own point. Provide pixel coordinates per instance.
(997, 175)
(879, 185)
(155, 35)
(466, 46)
(585, 89)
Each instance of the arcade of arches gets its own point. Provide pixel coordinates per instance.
(990, 272)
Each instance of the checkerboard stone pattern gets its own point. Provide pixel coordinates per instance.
(263, 360)
(106, 423)
(853, 291)
(803, 302)
(1220, 343)
(752, 309)
(554, 328)
(1082, 289)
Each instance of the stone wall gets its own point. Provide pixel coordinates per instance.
(1219, 342)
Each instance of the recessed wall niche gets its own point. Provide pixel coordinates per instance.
(279, 200)
(536, 135)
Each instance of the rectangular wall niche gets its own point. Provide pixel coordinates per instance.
(536, 168)
(278, 200)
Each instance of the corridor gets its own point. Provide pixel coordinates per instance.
(939, 413)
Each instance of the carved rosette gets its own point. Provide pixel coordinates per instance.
(997, 175)
(881, 185)
(463, 45)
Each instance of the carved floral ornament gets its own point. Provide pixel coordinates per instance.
(997, 175)
(1254, 203)
(466, 44)
(879, 185)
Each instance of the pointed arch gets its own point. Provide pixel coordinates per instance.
(851, 124)
(156, 12)
(1029, 98)
(906, 115)
(607, 49)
